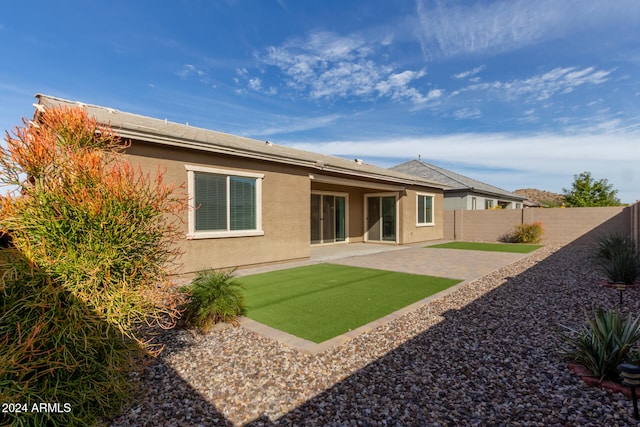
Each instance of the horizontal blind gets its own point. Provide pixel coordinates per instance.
(210, 201)
(242, 199)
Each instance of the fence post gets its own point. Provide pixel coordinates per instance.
(635, 223)
(457, 224)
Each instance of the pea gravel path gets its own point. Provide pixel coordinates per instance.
(484, 355)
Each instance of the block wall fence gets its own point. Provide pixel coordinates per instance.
(561, 225)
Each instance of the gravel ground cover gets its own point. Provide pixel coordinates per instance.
(483, 355)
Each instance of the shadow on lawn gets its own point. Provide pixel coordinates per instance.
(490, 362)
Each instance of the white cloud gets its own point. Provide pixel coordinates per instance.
(467, 113)
(189, 70)
(545, 161)
(469, 73)
(453, 28)
(543, 86)
(289, 125)
(255, 84)
(326, 65)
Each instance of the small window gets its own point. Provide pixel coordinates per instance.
(425, 209)
(224, 203)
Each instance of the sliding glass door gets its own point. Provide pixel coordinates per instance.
(328, 218)
(381, 218)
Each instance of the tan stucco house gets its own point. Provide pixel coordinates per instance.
(462, 192)
(254, 202)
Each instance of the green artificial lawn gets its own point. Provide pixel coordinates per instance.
(319, 302)
(491, 247)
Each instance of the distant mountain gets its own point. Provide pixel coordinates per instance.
(545, 198)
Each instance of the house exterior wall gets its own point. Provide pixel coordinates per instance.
(409, 231)
(453, 201)
(286, 210)
(456, 201)
(285, 200)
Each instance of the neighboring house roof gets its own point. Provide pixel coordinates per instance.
(454, 181)
(533, 204)
(137, 127)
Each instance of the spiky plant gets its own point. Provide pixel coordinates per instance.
(606, 244)
(618, 258)
(214, 296)
(603, 342)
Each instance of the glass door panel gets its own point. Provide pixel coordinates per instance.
(341, 219)
(373, 218)
(316, 215)
(389, 218)
(328, 219)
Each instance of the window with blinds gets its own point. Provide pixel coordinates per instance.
(425, 209)
(224, 204)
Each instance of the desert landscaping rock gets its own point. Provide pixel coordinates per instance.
(485, 354)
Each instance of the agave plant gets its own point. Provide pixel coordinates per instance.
(619, 258)
(613, 242)
(214, 297)
(604, 342)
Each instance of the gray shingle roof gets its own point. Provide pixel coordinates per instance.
(454, 181)
(137, 127)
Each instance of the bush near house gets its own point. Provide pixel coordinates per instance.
(525, 233)
(91, 238)
(214, 297)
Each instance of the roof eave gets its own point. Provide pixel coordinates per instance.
(195, 145)
(487, 193)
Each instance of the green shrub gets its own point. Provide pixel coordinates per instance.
(607, 244)
(525, 233)
(618, 258)
(54, 349)
(90, 219)
(214, 297)
(91, 238)
(603, 342)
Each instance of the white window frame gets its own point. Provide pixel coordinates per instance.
(191, 189)
(433, 210)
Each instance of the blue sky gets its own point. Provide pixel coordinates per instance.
(516, 93)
